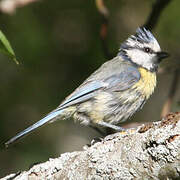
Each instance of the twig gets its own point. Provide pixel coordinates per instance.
(167, 105)
(104, 27)
(157, 9)
(151, 22)
(102, 8)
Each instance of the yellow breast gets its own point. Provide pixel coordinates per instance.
(147, 83)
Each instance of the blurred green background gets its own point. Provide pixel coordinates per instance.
(58, 45)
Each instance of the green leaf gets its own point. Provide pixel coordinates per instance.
(6, 48)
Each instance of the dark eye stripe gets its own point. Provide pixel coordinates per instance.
(145, 49)
(149, 51)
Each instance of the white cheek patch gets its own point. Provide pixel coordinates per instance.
(141, 58)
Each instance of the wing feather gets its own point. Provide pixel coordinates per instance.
(116, 81)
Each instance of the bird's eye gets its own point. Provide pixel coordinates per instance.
(147, 50)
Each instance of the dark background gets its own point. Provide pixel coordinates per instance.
(58, 46)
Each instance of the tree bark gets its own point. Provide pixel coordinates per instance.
(150, 152)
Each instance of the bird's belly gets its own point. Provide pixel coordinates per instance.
(110, 108)
(127, 104)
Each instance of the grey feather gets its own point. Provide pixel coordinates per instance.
(121, 78)
(144, 35)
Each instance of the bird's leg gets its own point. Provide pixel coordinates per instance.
(109, 128)
(114, 127)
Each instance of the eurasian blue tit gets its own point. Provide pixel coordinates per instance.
(115, 91)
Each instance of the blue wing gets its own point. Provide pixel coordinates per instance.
(83, 93)
(123, 80)
(115, 82)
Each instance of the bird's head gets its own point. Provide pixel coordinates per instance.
(143, 50)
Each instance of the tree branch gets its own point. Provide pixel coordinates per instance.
(104, 27)
(174, 86)
(157, 9)
(150, 24)
(151, 152)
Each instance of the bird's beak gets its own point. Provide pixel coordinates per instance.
(161, 55)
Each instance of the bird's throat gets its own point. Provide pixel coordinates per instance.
(147, 82)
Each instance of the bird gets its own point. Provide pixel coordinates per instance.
(115, 91)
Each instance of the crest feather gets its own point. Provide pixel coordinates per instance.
(142, 36)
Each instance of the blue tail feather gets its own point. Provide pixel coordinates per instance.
(38, 124)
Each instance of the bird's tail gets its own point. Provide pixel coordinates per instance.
(38, 124)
